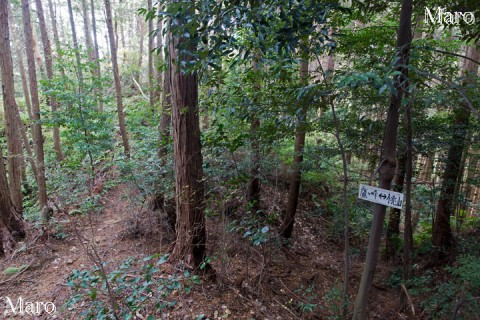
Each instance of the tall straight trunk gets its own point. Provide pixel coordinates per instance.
(165, 119)
(37, 128)
(141, 34)
(14, 144)
(408, 230)
(116, 75)
(36, 53)
(23, 76)
(442, 231)
(253, 190)
(26, 92)
(459, 183)
(393, 228)
(88, 36)
(386, 169)
(296, 178)
(157, 71)
(56, 37)
(151, 74)
(190, 227)
(94, 30)
(11, 225)
(75, 44)
(98, 71)
(47, 51)
(427, 170)
(471, 172)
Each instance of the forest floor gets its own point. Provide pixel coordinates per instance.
(253, 282)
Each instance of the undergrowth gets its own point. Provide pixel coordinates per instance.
(136, 288)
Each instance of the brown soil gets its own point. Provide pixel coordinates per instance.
(253, 282)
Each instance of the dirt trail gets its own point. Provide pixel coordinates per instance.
(49, 261)
(253, 282)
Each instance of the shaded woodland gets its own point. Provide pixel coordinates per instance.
(202, 159)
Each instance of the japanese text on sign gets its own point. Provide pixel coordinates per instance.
(382, 196)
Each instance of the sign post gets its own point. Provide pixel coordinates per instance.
(382, 196)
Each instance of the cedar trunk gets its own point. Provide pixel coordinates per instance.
(442, 231)
(37, 129)
(47, 51)
(116, 75)
(190, 226)
(11, 225)
(14, 144)
(386, 169)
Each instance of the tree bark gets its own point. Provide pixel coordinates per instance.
(442, 231)
(296, 178)
(141, 34)
(88, 36)
(11, 225)
(37, 129)
(14, 144)
(191, 233)
(47, 51)
(253, 191)
(393, 228)
(116, 75)
(56, 37)
(75, 45)
(386, 169)
(94, 30)
(150, 58)
(23, 75)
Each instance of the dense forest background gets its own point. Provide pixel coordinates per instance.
(202, 159)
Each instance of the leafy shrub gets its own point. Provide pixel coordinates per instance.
(456, 298)
(135, 287)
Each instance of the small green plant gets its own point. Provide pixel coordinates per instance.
(334, 302)
(308, 301)
(252, 230)
(136, 287)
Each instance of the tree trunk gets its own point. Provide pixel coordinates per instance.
(165, 118)
(150, 59)
(116, 75)
(191, 233)
(408, 231)
(36, 53)
(56, 37)
(442, 232)
(141, 34)
(37, 129)
(47, 51)
(21, 126)
(94, 30)
(75, 45)
(11, 225)
(88, 35)
(470, 188)
(98, 71)
(393, 228)
(23, 76)
(386, 169)
(295, 179)
(253, 191)
(14, 144)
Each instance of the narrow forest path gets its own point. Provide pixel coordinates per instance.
(47, 262)
(255, 282)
